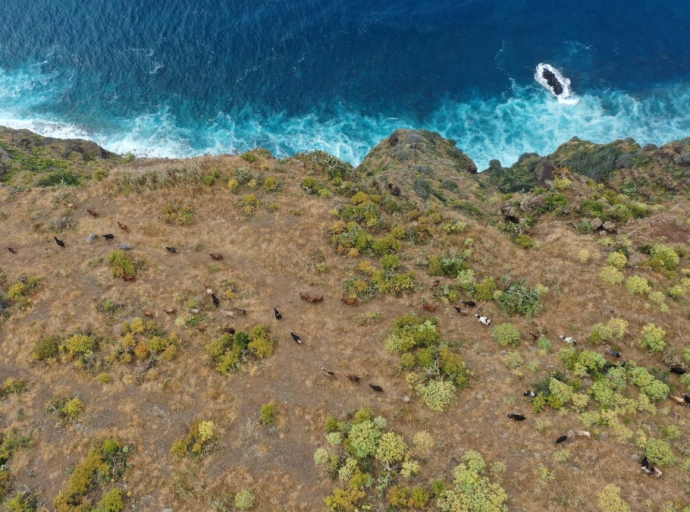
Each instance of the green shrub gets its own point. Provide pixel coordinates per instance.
(364, 438)
(506, 334)
(653, 338)
(446, 265)
(122, 264)
(611, 275)
(391, 448)
(617, 259)
(21, 502)
(80, 344)
(423, 442)
(112, 501)
(244, 500)
(178, 215)
(664, 257)
(659, 452)
(437, 394)
(524, 241)
(653, 388)
(545, 345)
(562, 184)
(248, 157)
(267, 414)
(637, 284)
(519, 299)
(46, 348)
(610, 500)
(485, 289)
(466, 280)
(614, 330)
(60, 177)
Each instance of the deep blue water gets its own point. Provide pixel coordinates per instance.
(186, 77)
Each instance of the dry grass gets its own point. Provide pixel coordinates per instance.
(269, 256)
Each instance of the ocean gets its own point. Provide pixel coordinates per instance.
(180, 78)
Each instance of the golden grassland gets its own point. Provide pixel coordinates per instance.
(275, 239)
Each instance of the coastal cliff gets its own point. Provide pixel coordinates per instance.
(150, 370)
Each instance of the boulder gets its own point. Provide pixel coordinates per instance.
(531, 204)
(510, 213)
(596, 223)
(609, 226)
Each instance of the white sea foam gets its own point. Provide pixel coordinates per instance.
(567, 97)
(522, 120)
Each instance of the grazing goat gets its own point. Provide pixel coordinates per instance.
(147, 313)
(227, 313)
(517, 417)
(59, 242)
(350, 302)
(430, 307)
(241, 311)
(195, 311)
(461, 310)
(436, 283)
(70, 205)
(209, 290)
(91, 238)
(469, 303)
(216, 257)
(123, 227)
(329, 373)
(535, 336)
(316, 298)
(229, 330)
(568, 339)
(125, 247)
(687, 398)
(129, 279)
(531, 394)
(678, 399)
(215, 300)
(304, 296)
(297, 339)
(11, 250)
(483, 320)
(170, 311)
(92, 213)
(353, 378)
(376, 388)
(612, 352)
(277, 314)
(170, 249)
(201, 328)
(651, 469)
(109, 236)
(677, 370)
(404, 398)
(394, 190)
(561, 439)
(583, 433)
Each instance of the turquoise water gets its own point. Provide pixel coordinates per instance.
(188, 77)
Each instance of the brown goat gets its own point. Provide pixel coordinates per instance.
(350, 302)
(353, 378)
(92, 213)
(217, 257)
(430, 307)
(129, 279)
(304, 296)
(123, 227)
(316, 298)
(147, 313)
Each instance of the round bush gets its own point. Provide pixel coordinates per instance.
(506, 334)
(244, 500)
(611, 275)
(617, 259)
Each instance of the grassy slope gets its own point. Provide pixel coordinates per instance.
(281, 249)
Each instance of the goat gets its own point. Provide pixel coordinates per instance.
(227, 313)
(430, 307)
(612, 352)
(70, 205)
(678, 399)
(229, 330)
(209, 290)
(531, 394)
(483, 319)
(201, 328)
(377, 389)
(109, 236)
(59, 242)
(568, 339)
(170, 249)
(561, 439)
(170, 311)
(125, 247)
(123, 227)
(92, 213)
(216, 257)
(241, 311)
(517, 417)
(147, 313)
(277, 314)
(91, 238)
(304, 296)
(393, 189)
(404, 398)
(436, 283)
(329, 373)
(535, 336)
(583, 433)
(129, 279)
(651, 469)
(687, 398)
(677, 370)
(461, 310)
(215, 300)
(195, 311)
(11, 250)
(349, 301)
(315, 299)
(297, 339)
(469, 303)
(353, 378)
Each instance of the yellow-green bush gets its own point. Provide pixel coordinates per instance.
(653, 338)
(639, 285)
(614, 330)
(244, 500)
(122, 264)
(197, 440)
(611, 275)
(659, 452)
(178, 215)
(617, 259)
(80, 344)
(485, 289)
(663, 257)
(610, 500)
(506, 334)
(562, 184)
